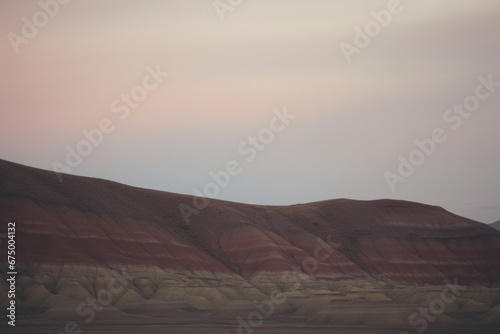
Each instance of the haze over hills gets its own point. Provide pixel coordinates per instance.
(332, 263)
(496, 225)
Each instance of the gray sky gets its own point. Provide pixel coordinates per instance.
(353, 119)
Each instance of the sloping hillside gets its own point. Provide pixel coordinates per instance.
(86, 237)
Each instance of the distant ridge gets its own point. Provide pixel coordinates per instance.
(496, 225)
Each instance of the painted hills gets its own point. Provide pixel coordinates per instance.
(97, 252)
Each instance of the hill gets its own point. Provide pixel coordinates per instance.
(132, 250)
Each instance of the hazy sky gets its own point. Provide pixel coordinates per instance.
(352, 119)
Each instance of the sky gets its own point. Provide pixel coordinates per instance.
(283, 102)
